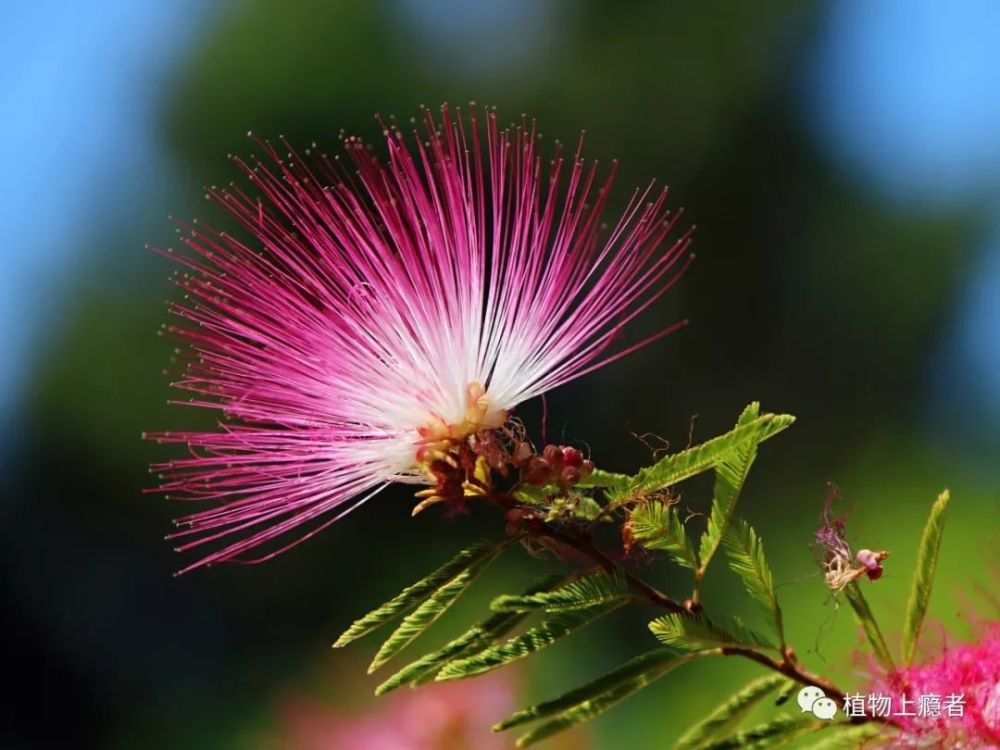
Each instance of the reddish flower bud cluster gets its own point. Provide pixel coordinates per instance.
(557, 464)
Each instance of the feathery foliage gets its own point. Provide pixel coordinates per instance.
(677, 467)
(480, 636)
(560, 513)
(587, 708)
(746, 558)
(655, 524)
(694, 632)
(656, 662)
(923, 575)
(864, 615)
(595, 588)
(544, 634)
(770, 734)
(731, 473)
(726, 717)
(416, 593)
(476, 638)
(429, 611)
(603, 479)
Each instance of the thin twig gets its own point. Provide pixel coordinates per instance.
(586, 546)
(788, 665)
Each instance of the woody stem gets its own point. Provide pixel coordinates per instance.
(788, 665)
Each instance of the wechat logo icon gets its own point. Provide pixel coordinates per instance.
(813, 700)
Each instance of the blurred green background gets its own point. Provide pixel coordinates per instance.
(841, 161)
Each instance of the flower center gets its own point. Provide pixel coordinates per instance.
(438, 435)
(452, 466)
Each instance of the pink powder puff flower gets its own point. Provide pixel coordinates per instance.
(960, 693)
(377, 312)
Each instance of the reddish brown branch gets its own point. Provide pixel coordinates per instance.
(585, 546)
(788, 665)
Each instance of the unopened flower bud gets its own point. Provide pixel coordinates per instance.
(537, 471)
(569, 476)
(586, 468)
(553, 455)
(522, 452)
(572, 457)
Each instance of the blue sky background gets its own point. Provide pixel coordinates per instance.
(80, 88)
(906, 95)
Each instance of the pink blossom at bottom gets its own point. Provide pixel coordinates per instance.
(439, 716)
(970, 670)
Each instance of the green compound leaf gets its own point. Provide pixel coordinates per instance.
(726, 717)
(582, 712)
(547, 632)
(655, 524)
(746, 558)
(599, 478)
(656, 662)
(586, 508)
(864, 615)
(677, 467)
(846, 736)
(592, 589)
(695, 632)
(770, 734)
(412, 595)
(529, 494)
(430, 610)
(475, 639)
(731, 472)
(923, 575)
(593, 699)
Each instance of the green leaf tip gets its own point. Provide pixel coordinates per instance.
(655, 524)
(553, 628)
(595, 588)
(590, 700)
(923, 575)
(657, 661)
(427, 613)
(598, 478)
(415, 593)
(769, 734)
(677, 467)
(746, 558)
(694, 632)
(477, 638)
(727, 716)
(731, 471)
